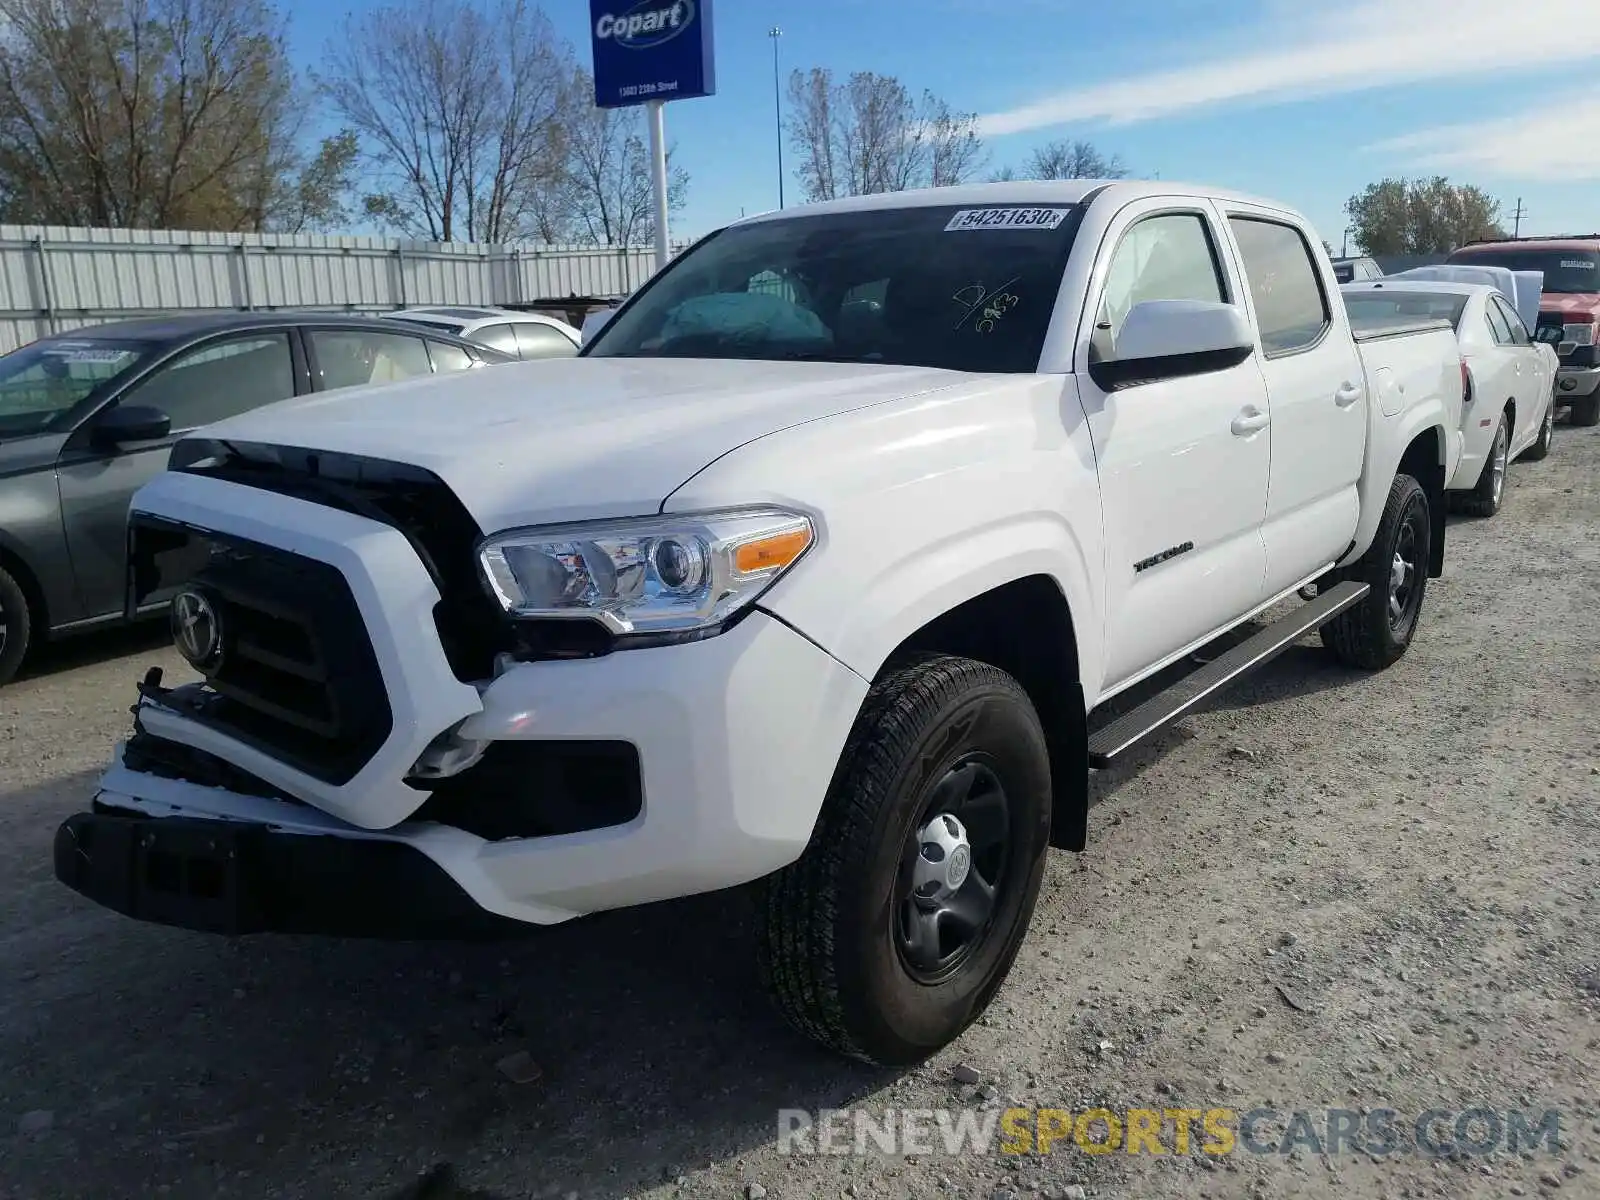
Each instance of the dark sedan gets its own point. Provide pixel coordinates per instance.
(87, 417)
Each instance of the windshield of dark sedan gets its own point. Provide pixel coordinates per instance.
(969, 289)
(42, 383)
(1386, 305)
(1565, 271)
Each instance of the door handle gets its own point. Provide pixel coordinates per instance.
(1250, 420)
(1347, 395)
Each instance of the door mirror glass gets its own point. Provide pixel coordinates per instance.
(132, 423)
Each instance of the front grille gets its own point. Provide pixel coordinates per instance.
(472, 628)
(296, 675)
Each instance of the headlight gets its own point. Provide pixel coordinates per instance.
(669, 574)
(1579, 335)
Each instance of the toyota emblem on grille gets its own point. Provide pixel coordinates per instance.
(197, 629)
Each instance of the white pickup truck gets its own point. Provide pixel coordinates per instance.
(812, 570)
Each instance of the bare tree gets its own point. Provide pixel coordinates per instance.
(459, 104)
(145, 113)
(955, 152)
(609, 196)
(1073, 160)
(811, 127)
(868, 135)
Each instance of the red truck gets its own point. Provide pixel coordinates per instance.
(1569, 312)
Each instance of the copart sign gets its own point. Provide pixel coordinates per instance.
(651, 50)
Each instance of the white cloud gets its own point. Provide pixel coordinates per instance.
(1548, 143)
(1327, 48)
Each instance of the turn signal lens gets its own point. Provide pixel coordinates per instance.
(771, 553)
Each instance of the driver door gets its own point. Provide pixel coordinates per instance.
(197, 387)
(1183, 462)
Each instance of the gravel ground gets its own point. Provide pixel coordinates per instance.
(1328, 889)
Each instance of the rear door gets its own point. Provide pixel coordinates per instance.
(1183, 462)
(1317, 390)
(343, 357)
(1531, 377)
(199, 386)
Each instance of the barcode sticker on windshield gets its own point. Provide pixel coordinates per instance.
(1007, 218)
(1581, 264)
(86, 353)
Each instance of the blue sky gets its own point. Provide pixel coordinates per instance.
(1304, 101)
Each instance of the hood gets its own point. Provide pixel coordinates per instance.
(566, 439)
(1570, 304)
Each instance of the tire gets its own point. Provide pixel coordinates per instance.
(1365, 636)
(1485, 499)
(1540, 449)
(835, 944)
(16, 626)
(1586, 412)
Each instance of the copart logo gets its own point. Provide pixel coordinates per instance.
(646, 24)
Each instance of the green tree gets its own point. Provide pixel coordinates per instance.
(1424, 216)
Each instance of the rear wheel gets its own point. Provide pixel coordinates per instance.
(1485, 499)
(15, 626)
(1586, 411)
(1547, 432)
(893, 931)
(1376, 632)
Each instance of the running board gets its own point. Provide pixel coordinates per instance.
(1165, 707)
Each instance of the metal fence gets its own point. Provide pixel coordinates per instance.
(54, 278)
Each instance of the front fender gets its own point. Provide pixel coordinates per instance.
(923, 506)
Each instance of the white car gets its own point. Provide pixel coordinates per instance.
(809, 572)
(1509, 409)
(525, 335)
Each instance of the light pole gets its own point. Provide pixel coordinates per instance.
(1344, 249)
(777, 105)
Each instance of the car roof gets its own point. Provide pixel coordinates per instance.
(462, 312)
(1590, 244)
(175, 327)
(477, 316)
(1024, 191)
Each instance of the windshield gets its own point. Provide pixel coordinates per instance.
(43, 383)
(964, 289)
(1564, 270)
(1375, 307)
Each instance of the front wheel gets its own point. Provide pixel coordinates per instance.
(1547, 433)
(1376, 632)
(1587, 411)
(15, 626)
(893, 931)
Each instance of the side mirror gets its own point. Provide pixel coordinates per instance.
(132, 423)
(1167, 339)
(594, 323)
